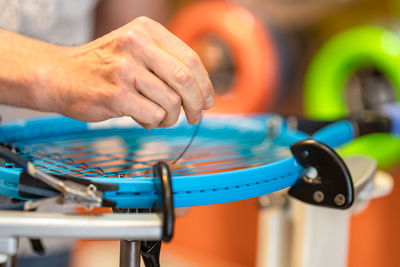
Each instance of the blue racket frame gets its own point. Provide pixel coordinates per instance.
(190, 190)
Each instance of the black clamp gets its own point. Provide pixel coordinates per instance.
(150, 250)
(328, 182)
(164, 203)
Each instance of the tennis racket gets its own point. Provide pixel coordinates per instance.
(231, 158)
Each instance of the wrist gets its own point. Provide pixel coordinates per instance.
(49, 82)
(25, 66)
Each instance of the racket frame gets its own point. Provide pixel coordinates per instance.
(191, 190)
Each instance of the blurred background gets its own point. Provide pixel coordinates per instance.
(320, 59)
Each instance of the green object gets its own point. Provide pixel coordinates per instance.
(330, 70)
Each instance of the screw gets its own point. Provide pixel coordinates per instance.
(340, 199)
(310, 176)
(318, 196)
(91, 188)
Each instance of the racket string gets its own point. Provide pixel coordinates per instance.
(204, 149)
(221, 161)
(123, 153)
(196, 130)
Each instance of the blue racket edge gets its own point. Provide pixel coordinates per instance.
(190, 190)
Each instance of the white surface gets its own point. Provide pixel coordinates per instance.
(317, 236)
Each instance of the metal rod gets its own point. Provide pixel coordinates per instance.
(129, 253)
(139, 226)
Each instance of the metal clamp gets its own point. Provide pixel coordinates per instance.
(327, 181)
(72, 190)
(64, 189)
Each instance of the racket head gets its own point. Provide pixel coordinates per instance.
(330, 70)
(232, 157)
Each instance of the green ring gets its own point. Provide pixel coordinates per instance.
(330, 71)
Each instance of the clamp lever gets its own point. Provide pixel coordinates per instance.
(327, 181)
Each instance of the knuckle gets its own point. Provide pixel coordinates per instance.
(122, 65)
(143, 20)
(175, 101)
(183, 76)
(190, 58)
(209, 89)
(129, 38)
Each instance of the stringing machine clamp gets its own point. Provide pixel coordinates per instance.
(150, 250)
(326, 181)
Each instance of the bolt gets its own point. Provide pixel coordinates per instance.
(91, 188)
(318, 196)
(340, 199)
(310, 176)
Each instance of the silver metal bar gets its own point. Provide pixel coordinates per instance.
(129, 253)
(139, 226)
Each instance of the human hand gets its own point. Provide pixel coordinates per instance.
(139, 70)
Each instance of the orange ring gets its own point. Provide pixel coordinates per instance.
(256, 61)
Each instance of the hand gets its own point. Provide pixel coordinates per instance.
(139, 70)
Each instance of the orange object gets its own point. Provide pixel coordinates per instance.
(217, 235)
(254, 54)
(375, 233)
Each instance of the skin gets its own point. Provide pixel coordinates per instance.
(139, 70)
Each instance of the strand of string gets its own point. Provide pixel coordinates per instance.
(196, 130)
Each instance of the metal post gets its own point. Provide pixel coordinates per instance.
(8, 251)
(129, 255)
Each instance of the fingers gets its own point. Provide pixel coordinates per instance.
(144, 111)
(160, 93)
(173, 62)
(177, 48)
(167, 73)
(179, 77)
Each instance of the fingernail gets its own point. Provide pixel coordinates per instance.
(194, 120)
(209, 101)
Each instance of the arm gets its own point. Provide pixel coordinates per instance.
(139, 70)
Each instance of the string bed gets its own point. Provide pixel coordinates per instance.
(131, 153)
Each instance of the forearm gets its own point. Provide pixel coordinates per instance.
(24, 64)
